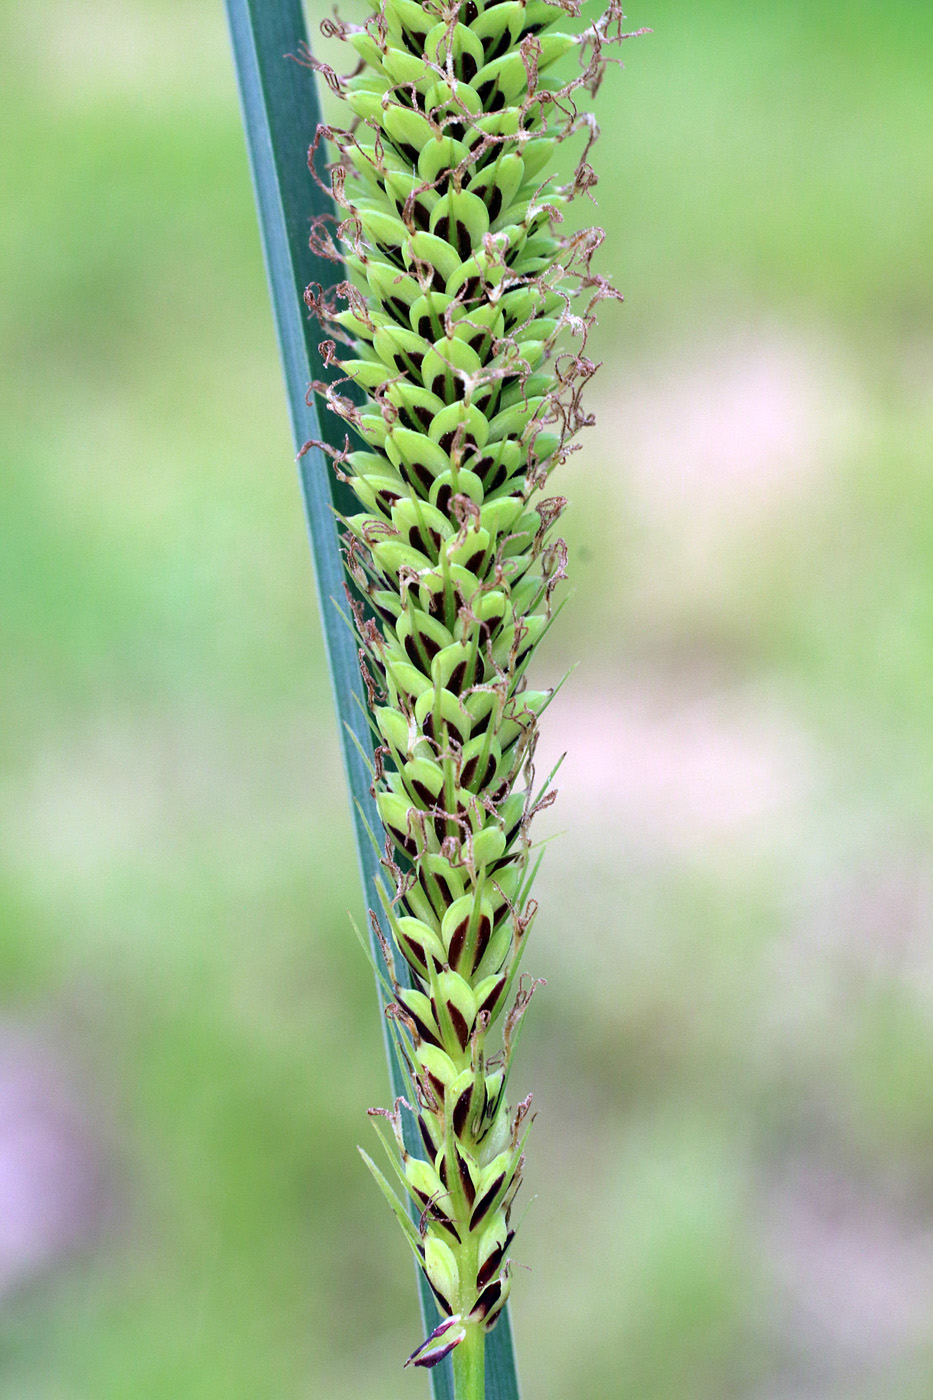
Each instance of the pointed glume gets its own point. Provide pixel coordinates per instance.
(458, 352)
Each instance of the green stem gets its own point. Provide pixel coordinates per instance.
(469, 1360)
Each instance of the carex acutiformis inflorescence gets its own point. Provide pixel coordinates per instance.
(463, 326)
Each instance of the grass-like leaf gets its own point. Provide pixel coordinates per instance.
(280, 114)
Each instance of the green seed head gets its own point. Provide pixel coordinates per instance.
(458, 352)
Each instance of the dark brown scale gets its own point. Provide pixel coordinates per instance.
(500, 865)
(387, 499)
(475, 560)
(443, 499)
(464, 243)
(424, 415)
(416, 538)
(422, 215)
(426, 798)
(504, 913)
(483, 1205)
(447, 441)
(483, 935)
(438, 385)
(445, 1220)
(484, 161)
(436, 901)
(461, 1112)
(398, 308)
(487, 1300)
(438, 1086)
(418, 475)
(457, 940)
(490, 95)
(440, 823)
(411, 651)
(424, 1030)
(493, 1105)
(426, 1138)
(479, 726)
(437, 609)
(490, 772)
(495, 204)
(469, 771)
(469, 1186)
(468, 67)
(490, 1001)
(513, 254)
(452, 893)
(430, 644)
(407, 843)
(382, 612)
(501, 45)
(402, 361)
(470, 12)
(444, 1308)
(459, 1023)
(442, 1171)
(472, 290)
(443, 229)
(498, 479)
(418, 983)
(426, 327)
(491, 1266)
(461, 735)
(457, 678)
(414, 952)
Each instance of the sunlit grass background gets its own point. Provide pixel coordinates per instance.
(733, 1058)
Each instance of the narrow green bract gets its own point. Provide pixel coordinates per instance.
(460, 398)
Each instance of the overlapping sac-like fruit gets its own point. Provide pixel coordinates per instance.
(459, 401)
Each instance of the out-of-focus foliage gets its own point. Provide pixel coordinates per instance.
(733, 1059)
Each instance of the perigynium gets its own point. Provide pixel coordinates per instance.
(459, 350)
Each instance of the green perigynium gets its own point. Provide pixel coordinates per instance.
(462, 338)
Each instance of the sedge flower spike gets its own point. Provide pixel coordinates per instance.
(459, 354)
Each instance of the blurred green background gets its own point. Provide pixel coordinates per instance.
(733, 1058)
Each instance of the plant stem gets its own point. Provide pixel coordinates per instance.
(470, 1365)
